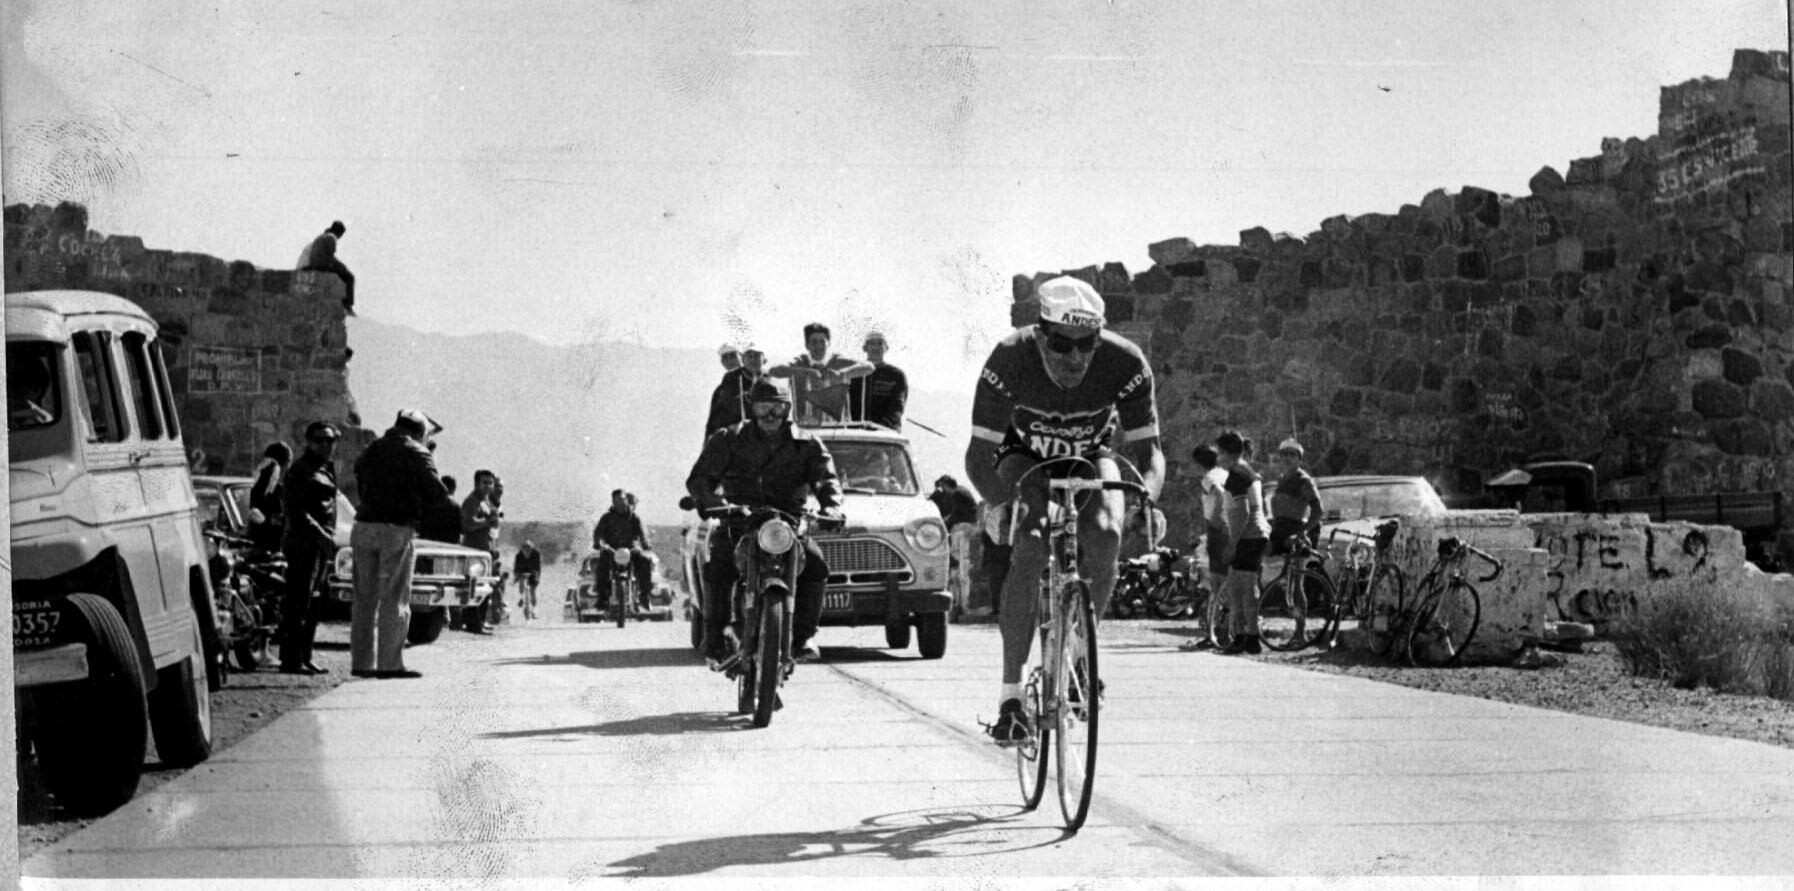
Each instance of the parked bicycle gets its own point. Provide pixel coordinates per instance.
(1295, 606)
(1063, 689)
(1446, 610)
(1368, 581)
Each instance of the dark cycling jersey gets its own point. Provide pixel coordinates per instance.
(1017, 401)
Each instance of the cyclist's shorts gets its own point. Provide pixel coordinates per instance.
(1013, 444)
(1248, 555)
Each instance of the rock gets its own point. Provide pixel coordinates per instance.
(1741, 368)
(1171, 250)
(1709, 337)
(1546, 182)
(1773, 401)
(1718, 399)
(1256, 240)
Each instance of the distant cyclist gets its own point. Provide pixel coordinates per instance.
(1061, 388)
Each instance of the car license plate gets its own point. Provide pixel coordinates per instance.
(424, 598)
(34, 623)
(842, 601)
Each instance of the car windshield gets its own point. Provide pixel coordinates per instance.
(31, 386)
(1409, 498)
(881, 468)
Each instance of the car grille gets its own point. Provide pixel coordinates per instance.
(860, 561)
(440, 564)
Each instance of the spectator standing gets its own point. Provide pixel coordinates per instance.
(957, 506)
(527, 569)
(882, 394)
(730, 355)
(442, 520)
(1296, 507)
(266, 501)
(309, 544)
(1213, 541)
(1247, 534)
(728, 403)
(397, 480)
(480, 517)
(819, 378)
(320, 256)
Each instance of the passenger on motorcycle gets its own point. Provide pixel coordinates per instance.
(621, 528)
(1061, 388)
(763, 462)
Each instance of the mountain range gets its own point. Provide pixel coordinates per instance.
(564, 425)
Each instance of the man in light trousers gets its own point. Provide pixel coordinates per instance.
(397, 479)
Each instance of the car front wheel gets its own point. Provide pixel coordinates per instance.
(931, 635)
(897, 634)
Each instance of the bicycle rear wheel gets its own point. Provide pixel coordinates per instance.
(1173, 597)
(1384, 602)
(1347, 590)
(1078, 695)
(1444, 626)
(1030, 757)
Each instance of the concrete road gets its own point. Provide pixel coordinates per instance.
(587, 752)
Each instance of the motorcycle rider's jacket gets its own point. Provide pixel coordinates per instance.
(758, 469)
(619, 529)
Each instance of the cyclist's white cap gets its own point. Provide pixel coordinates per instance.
(727, 348)
(1069, 301)
(1290, 445)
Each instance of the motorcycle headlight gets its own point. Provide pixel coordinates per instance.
(620, 555)
(776, 537)
(926, 534)
(345, 563)
(478, 567)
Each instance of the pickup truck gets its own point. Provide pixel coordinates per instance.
(1569, 486)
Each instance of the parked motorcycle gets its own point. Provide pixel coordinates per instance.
(769, 553)
(247, 584)
(1151, 583)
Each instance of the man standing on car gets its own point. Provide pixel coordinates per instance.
(396, 479)
(309, 544)
(819, 378)
(765, 462)
(728, 403)
(479, 529)
(617, 529)
(881, 395)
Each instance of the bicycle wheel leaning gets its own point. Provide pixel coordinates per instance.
(1078, 695)
(1444, 626)
(1387, 596)
(1293, 614)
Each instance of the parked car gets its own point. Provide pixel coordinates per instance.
(887, 565)
(114, 633)
(1354, 501)
(443, 575)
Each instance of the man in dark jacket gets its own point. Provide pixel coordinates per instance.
(309, 544)
(266, 500)
(729, 402)
(763, 462)
(320, 256)
(442, 520)
(397, 480)
(620, 528)
(955, 504)
(881, 396)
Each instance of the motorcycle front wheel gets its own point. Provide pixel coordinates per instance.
(770, 651)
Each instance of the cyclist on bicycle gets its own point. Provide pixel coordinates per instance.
(1063, 388)
(620, 528)
(763, 462)
(527, 569)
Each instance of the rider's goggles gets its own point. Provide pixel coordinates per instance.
(763, 410)
(1059, 343)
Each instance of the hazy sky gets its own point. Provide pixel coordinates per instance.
(653, 170)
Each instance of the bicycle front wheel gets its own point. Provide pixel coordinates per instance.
(1078, 695)
(1030, 757)
(1387, 596)
(1294, 609)
(1444, 626)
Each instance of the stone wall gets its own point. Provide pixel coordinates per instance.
(1634, 313)
(254, 355)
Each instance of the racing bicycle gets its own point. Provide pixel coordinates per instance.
(1368, 582)
(1063, 689)
(1442, 621)
(1294, 608)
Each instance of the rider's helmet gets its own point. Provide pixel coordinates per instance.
(1070, 301)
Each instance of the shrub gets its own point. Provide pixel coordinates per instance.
(1715, 638)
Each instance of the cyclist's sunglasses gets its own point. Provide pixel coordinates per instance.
(1059, 343)
(771, 409)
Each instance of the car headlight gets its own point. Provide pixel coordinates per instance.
(776, 537)
(477, 567)
(925, 534)
(345, 563)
